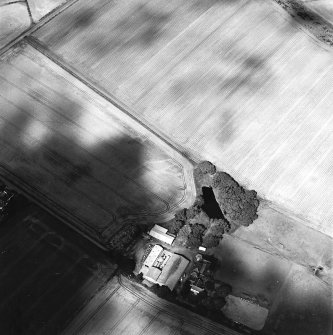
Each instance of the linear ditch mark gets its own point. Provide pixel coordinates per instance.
(168, 206)
(123, 317)
(48, 105)
(149, 301)
(12, 3)
(42, 48)
(144, 330)
(29, 12)
(68, 218)
(56, 157)
(95, 311)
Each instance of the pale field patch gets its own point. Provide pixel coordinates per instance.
(14, 20)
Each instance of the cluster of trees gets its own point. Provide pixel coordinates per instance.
(194, 228)
(212, 299)
(123, 238)
(163, 292)
(238, 205)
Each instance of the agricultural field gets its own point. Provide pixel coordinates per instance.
(238, 83)
(47, 273)
(40, 8)
(14, 20)
(122, 309)
(78, 154)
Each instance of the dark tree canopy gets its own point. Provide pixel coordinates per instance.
(194, 241)
(123, 238)
(197, 229)
(195, 238)
(183, 235)
(219, 227)
(207, 167)
(181, 215)
(211, 241)
(193, 211)
(221, 202)
(199, 201)
(175, 226)
(238, 205)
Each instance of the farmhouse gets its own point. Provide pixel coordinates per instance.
(198, 274)
(163, 267)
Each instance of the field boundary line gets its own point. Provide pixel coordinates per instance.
(43, 49)
(49, 205)
(76, 324)
(48, 17)
(150, 301)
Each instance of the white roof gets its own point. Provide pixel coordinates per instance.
(154, 253)
(202, 248)
(159, 229)
(161, 236)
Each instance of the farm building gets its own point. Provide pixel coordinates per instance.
(163, 267)
(161, 234)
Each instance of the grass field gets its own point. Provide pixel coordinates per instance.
(234, 82)
(69, 146)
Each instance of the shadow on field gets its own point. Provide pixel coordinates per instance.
(48, 272)
(297, 302)
(92, 170)
(95, 179)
